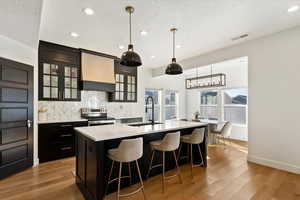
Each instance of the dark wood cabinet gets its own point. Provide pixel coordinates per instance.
(126, 84)
(59, 72)
(57, 140)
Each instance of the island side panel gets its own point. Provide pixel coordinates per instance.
(89, 167)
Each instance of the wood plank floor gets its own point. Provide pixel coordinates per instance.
(228, 176)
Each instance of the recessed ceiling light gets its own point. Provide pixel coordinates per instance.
(152, 57)
(121, 47)
(88, 11)
(143, 33)
(293, 8)
(73, 34)
(178, 46)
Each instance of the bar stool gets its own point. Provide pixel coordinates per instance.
(197, 138)
(169, 143)
(128, 151)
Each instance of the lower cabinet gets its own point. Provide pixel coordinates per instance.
(57, 140)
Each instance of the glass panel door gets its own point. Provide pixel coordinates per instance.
(131, 85)
(119, 88)
(70, 82)
(50, 81)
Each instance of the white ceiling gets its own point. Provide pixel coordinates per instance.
(203, 25)
(20, 20)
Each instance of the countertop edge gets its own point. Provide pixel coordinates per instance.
(61, 121)
(80, 130)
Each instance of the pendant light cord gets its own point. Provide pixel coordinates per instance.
(173, 44)
(130, 28)
(211, 74)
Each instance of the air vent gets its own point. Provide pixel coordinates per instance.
(239, 37)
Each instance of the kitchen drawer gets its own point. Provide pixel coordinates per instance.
(57, 140)
(62, 150)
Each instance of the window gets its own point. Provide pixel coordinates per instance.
(209, 104)
(171, 105)
(235, 105)
(156, 95)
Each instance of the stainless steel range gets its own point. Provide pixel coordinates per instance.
(97, 117)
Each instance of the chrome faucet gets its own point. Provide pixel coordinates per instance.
(152, 107)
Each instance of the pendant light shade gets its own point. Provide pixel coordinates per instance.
(173, 68)
(130, 58)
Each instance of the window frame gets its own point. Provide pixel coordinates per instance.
(220, 106)
(176, 105)
(158, 105)
(236, 105)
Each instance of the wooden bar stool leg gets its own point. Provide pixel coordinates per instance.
(163, 174)
(178, 154)
(109, 176)
(191, 154)
(129, 172)
(119, 181)
(150, 166)
(140, 177)
(200, 154)
(178, 170)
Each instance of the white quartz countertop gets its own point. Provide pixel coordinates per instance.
(108, 132)
(61, 121)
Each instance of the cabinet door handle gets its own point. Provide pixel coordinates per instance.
(65, 148)
(66, 125)
(66, 135)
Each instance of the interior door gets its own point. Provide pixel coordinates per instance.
(16, 116)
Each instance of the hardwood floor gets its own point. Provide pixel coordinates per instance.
(228, 176)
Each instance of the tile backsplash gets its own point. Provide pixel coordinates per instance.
(66, 110)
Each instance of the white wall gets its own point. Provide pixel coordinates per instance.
(14, 50)
(274, 68)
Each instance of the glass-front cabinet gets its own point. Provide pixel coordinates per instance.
(70, 82)
(50, 81)
(119, 88)
(126, 84)
(59, 73)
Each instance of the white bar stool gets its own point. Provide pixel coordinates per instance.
(128, 151)
(197, 138)
(169, 143)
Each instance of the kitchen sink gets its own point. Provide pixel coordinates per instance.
(143, 124)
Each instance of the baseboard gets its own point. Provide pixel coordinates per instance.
(274, 164)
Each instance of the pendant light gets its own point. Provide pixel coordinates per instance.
(130, 58)
(173, 68)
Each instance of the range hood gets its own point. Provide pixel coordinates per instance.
(97, 71)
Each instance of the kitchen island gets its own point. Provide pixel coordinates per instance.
(92, 144)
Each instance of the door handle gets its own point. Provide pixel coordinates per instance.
(29, 123)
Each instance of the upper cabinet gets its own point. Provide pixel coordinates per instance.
(64, 71)
(98, 71)
(126, 84)
(59, 72)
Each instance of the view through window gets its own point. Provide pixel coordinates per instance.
(229, 105)
(209, 104)
(235, 105)
(156, 94)
(171, 104)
